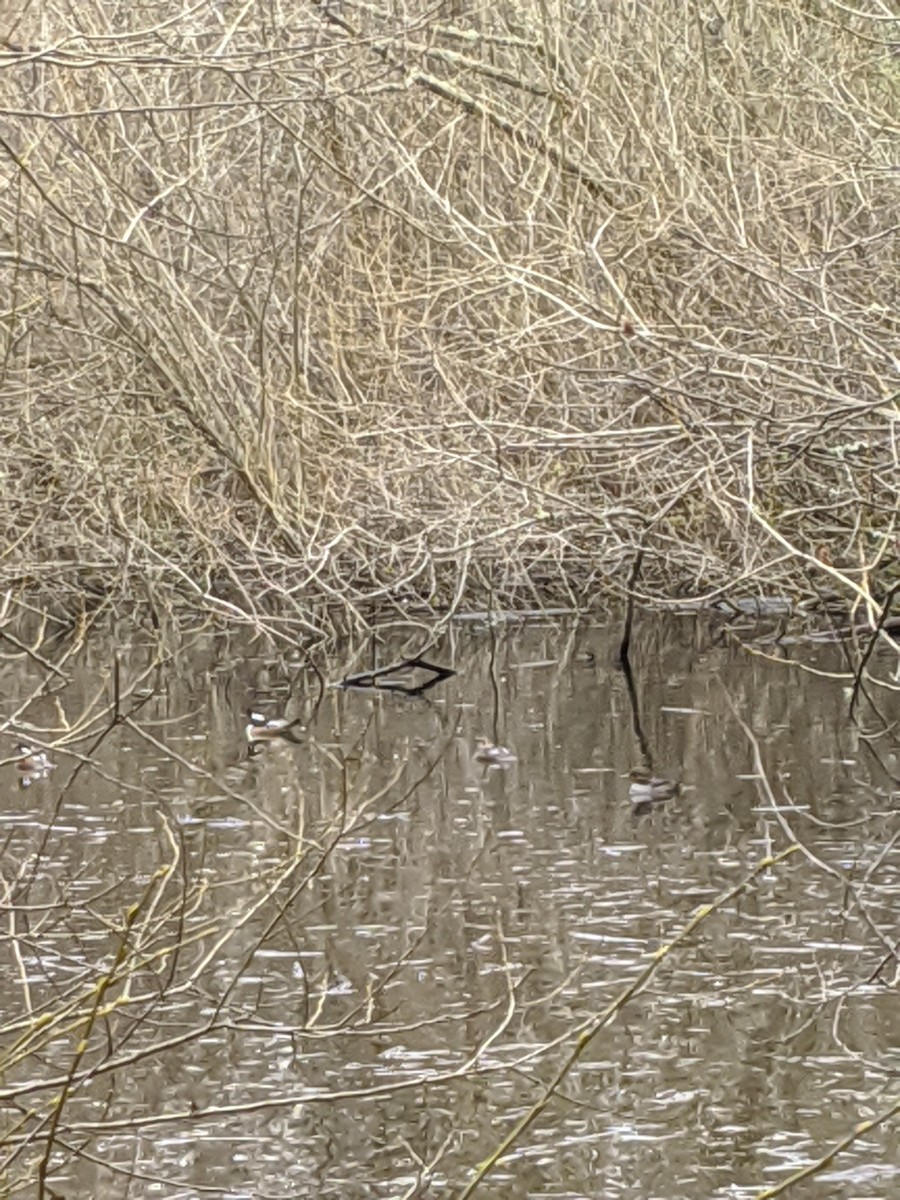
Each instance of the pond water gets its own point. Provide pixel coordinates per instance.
(348, 967)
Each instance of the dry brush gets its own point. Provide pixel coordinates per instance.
(325, 307)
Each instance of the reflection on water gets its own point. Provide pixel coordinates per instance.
(347, 967)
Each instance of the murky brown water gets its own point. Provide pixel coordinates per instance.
(355, 963)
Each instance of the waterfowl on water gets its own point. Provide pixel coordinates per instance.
(487, 752)
(33, 761)
(269, 729)
(645, 786)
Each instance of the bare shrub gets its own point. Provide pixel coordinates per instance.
(350, 304)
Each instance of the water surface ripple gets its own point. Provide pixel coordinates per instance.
(346, 968)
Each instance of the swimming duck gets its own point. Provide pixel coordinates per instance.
(32, 761)
(487, 752)
(645, 786)
(269, 729)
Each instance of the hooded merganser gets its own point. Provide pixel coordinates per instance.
(269, 729)
(33, 761)
(645, 786)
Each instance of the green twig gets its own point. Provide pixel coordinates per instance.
(814, 1167)
(590, 1030)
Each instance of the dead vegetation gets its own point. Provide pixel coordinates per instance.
(320, 308)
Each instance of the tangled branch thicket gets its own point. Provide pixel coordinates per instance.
(346, 304)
